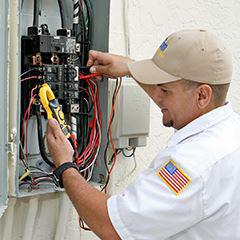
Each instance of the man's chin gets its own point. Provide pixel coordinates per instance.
(168, 124)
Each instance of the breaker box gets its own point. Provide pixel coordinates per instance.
(48, 49)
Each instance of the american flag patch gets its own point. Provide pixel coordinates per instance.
(174, 177)
(162, 48)
(164, 45)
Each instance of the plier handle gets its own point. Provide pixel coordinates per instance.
(52, 107)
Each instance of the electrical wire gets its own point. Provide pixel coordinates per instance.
(62, 14)
(128, 155)
(26, 119)
(28, 71)
(76, 10)
(41, 142)
(81, 77)
(28, 78)
(84, 31)
(90, 23)
(95, 134)
(24, 159)
(115, 152)
(107, 144)
(36, 13)
(131, 172)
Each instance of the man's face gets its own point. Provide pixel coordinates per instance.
(178, 103)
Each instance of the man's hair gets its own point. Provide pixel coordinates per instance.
(219, 91)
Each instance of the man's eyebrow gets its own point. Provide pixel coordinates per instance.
(163, 85)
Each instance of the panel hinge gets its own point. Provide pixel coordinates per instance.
(9, 147)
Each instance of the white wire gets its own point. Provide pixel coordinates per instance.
(40, 171)
(130, 173)
(75, 11)
(86, 102)
(26, 72)
(126, 27)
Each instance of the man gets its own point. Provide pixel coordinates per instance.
(191, 189)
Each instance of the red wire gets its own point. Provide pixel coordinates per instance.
(75, 144)
(81, 76)
(26, 119)
(110, 135)
(94, 137)
(94, 122)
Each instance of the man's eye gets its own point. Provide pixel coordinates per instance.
(164, 90)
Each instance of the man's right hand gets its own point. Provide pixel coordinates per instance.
(107, 64)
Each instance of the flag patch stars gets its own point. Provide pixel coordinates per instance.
(163, 47)
(174, 177)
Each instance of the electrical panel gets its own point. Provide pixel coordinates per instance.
(3, 104)
(130, 127)
(55, 37)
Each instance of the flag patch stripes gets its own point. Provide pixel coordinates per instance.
(174, 177)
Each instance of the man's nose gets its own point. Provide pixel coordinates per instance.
(156, 94)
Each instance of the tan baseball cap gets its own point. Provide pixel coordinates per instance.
(196, 55)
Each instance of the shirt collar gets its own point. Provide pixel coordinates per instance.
(201, 123)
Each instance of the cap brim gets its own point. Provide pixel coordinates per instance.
(148, 72)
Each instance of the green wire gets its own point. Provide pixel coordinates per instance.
(23, 152)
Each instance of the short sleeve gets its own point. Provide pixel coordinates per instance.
(149, 209)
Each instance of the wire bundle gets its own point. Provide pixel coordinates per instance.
(85, 156)
(88, 157)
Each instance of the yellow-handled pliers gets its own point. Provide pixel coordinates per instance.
(52, 107)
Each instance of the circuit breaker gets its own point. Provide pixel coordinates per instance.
(54, 40)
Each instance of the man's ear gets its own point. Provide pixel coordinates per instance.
(204, 95)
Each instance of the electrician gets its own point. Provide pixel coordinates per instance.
(191, 189)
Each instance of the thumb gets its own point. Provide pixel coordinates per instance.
(52, 122)
(103, 70)
(54, 128)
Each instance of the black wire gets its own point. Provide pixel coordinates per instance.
(62, 13)
(108, 175)
(41, 142)
(83, 34)
(81, 25)
(88, 44)
(36, 13)
(85, 31)
(81, 133)
(130, 155)
(90, 21)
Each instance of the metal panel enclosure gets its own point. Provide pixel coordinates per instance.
(3, 103)
(50, 14)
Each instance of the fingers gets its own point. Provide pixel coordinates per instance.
(59, 147)
(98, 58)
(104, 70)
(108, 64)
(93, 61)
(93, 56)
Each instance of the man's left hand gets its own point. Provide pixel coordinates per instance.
(58, 145)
